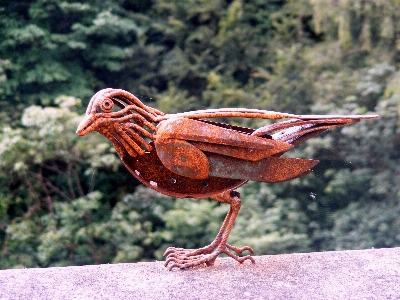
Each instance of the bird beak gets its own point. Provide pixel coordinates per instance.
(86, 126)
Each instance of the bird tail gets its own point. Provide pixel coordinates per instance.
(298, 130)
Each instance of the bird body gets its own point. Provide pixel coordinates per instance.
(184, 155)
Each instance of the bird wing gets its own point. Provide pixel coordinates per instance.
(256, 114)
(291, 132)
(197, 149)
(269, 169)
(209, 137)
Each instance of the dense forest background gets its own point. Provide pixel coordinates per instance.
(67, 200)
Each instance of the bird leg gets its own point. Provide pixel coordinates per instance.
(187, 258)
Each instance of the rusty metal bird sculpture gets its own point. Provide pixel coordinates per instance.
(186, 156)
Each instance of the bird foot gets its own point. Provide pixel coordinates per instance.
(187, 258)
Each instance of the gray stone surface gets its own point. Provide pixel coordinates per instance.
(358, 274)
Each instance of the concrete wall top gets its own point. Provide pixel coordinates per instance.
(357, 274)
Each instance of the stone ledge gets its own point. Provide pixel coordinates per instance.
(357, 274)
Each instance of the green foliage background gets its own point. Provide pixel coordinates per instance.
(66, 200)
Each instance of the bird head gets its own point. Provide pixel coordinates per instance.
(122, 118)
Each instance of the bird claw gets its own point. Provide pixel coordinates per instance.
(240, 250)
(187, 258)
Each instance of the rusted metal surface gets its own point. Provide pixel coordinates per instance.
(182, 155)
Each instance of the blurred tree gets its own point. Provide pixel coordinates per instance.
(61, 47)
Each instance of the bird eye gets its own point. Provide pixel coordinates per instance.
(107, 105)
